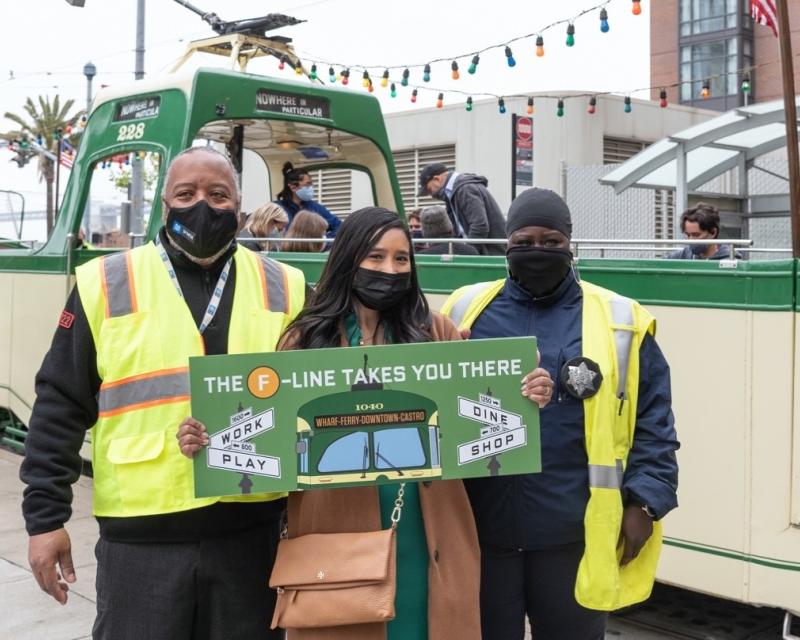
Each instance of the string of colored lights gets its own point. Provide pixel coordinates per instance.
(538, 34)
(386, 80)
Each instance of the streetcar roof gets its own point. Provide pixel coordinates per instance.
(182, 81)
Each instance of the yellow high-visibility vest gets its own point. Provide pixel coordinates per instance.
(144, 335)
(613, 328)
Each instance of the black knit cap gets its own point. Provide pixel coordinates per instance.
(539, 208)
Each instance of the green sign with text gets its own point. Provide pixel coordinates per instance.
(361, 415)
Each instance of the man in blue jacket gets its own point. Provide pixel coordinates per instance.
(582, 537)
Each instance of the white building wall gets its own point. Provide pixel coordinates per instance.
(483, 142)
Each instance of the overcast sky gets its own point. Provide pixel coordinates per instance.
(46, 43)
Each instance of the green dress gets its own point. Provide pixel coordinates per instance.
(411, 601)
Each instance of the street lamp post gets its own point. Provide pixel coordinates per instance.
(137, 174)
(90, 71)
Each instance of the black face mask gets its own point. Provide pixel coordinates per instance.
(538, 270)
(201, 230)
(416, 233)
(380, 291)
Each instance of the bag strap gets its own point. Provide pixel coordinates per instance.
(397, 512)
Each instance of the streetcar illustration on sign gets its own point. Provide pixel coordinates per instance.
(367, 434)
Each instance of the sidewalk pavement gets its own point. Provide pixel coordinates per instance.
(30, 614)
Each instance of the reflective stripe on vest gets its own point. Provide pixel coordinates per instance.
(118, 284)
(622, 314)
(461, 305)
(147, 390)
(602, 476)
(276, 288)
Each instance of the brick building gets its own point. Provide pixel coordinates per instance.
(692, 41)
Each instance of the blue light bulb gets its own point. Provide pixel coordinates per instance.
(510, 57)
(604, 21)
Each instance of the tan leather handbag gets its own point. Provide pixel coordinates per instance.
(333, 579)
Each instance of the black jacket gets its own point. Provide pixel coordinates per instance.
(66, 406)
(475, 212)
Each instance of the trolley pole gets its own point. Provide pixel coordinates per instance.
(790, 110)
(90, 71)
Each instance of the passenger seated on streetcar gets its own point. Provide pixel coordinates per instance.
(701, 222)
(414, 222)
(268, 221)
(369, 294)
(298, 194)
(436, 224)
(307, 224)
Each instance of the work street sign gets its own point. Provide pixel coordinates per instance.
(248, 427)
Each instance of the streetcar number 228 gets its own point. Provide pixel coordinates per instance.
(130, 132)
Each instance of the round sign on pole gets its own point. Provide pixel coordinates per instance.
(524, 128)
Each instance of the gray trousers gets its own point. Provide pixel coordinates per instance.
(216, 589)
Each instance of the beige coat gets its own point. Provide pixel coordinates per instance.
(453, 556)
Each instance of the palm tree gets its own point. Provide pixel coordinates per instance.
(45, 124)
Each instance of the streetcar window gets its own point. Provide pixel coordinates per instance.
(399, 448)
(264, 145)
(348, 453)
(115, 207)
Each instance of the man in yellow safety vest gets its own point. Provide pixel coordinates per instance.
(169, 565)
(583, 536)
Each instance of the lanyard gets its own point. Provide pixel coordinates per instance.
(213, 304)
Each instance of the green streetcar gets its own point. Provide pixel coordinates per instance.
(731, 334)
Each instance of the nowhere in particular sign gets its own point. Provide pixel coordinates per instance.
(364, 415)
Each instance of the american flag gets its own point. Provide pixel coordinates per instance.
(67, 154)
(764, 12)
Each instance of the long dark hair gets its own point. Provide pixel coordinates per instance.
(290, 176)
(318, 325)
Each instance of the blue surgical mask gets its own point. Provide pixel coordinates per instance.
(698, 249)
(305, 193)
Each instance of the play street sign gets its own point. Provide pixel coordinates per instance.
(244, 462)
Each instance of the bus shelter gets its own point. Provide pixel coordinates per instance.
(730, 143)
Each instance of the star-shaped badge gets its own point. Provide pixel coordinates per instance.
(581, 377)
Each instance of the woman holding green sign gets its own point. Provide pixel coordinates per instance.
(368, 294)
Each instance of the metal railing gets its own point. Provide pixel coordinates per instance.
(602, 244)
